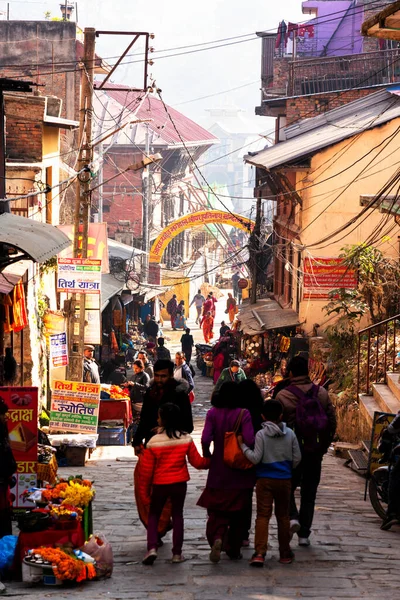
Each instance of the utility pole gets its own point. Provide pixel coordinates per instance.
(147, 193)
(255, 248)
(76, 339)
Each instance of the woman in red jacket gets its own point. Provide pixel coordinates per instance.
(164, 476)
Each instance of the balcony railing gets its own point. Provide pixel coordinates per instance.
(339, 73)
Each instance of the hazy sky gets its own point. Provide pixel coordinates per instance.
(179, 23)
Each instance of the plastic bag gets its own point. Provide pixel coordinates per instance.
(8, 543)
(100, 549)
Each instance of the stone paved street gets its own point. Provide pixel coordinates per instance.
(349, 558)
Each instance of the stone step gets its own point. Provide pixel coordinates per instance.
(394, 384)
(385, 398)
(368, 406)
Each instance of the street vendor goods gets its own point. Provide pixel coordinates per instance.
(65, 566)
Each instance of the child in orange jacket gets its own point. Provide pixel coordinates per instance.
(164, 476)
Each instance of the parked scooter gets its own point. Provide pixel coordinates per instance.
(378, 484)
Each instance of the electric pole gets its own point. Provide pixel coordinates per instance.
(255, 248)
(147, 193)
(76, 339)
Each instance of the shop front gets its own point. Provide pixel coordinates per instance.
(269, 337)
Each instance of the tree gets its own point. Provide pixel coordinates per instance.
(378, 279)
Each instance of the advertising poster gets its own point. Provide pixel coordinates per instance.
(58, 350)
(322, 275)
(79, 275)
(22, 427)
(97, 243)
(74, 407)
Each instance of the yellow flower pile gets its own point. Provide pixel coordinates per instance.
(77, 494)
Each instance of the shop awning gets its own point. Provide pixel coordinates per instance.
(10, 275)
(265, 315)
(109, 287)
(33, 240)
(148, 293)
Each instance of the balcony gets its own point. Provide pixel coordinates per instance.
(340, 73)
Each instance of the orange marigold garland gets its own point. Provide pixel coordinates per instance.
(64, 566)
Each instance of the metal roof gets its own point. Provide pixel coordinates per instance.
(109, 287)
(120, 250)
(310, 135)
(160, 122)
(264, 315)
(10, 276)
(35, 240)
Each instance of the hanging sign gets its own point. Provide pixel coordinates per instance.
(322, 275)
(79, 275)
(22, 422)
(74, 407)
(58, 350)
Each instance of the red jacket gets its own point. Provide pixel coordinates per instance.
(164, 461)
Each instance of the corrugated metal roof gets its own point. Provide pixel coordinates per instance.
(36, 240)
(265, 315)
(154, 109)
(310, 135)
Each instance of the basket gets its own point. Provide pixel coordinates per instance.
(47, 472)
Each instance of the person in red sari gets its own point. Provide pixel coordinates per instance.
(207, 324)
(208, 306)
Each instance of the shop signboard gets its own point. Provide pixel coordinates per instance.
(74, 407)
(79, 275)
(22, 423)
(58, 350)
(322, 275)
(97, 243)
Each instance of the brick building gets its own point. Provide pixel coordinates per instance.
(310, 68)
(121, 200)
(48, 54)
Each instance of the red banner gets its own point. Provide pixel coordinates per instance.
(23, 429)
(322, 275)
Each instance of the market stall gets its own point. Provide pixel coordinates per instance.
(115, 416)
(270, 336)
(54, 543)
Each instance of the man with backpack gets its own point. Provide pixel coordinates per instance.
(307, 410)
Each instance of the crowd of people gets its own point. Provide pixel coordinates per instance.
(283, 442)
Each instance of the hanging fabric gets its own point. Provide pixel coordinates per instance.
(19, 308)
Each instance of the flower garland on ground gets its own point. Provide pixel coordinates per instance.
(64, 566)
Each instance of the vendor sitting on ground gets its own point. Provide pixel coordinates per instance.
(232, 373)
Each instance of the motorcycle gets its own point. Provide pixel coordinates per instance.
(201, 349)
(378, 483)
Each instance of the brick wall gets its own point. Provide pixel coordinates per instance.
(24, 127)
(122, 199)
(310, 106)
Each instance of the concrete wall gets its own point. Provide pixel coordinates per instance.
(324, 211)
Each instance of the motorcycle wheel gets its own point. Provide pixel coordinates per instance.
(377, 504)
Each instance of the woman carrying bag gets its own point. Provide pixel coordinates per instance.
(228, 490)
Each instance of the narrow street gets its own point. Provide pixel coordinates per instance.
(350, 556)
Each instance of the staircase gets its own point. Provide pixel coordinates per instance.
(385, 398)
(378, 385)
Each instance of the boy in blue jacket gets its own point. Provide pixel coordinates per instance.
(276, 452)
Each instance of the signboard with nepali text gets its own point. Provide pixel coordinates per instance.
(322, 275)
(79, 275)
(22, 425)
(58, 350)
(74, 407)
(96, 241)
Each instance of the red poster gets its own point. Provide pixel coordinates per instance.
(23, 428)
(322, 275)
